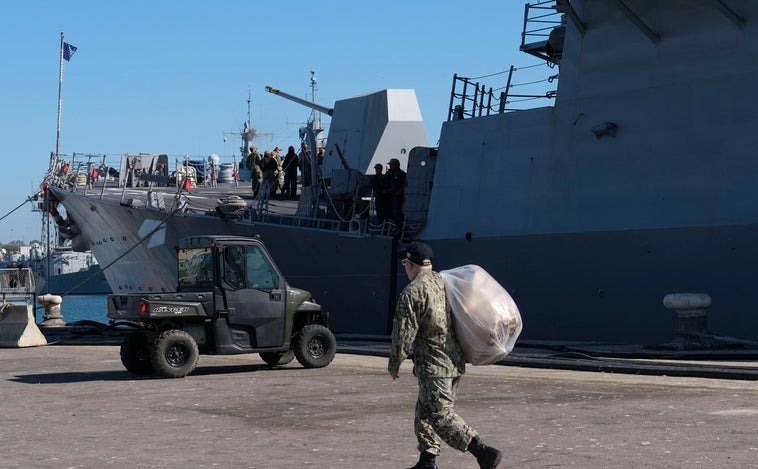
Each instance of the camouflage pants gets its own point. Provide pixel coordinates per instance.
(436, 417)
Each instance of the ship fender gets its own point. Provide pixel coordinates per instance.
(17, 326)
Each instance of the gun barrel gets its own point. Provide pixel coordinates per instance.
(304, 102)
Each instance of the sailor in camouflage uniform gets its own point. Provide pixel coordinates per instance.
(423, 323)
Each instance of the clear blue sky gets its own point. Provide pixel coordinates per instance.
(173, 76)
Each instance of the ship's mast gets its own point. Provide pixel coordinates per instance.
(248, 133)
(315, 119)
(249, 108)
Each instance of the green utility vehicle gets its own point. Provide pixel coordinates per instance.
(230, 299)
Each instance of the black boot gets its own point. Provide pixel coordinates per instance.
(487, 456)
(425, 461)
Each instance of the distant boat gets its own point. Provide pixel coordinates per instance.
(72, 272)
(639, 180)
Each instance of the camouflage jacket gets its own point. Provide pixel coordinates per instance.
(254, 164)
(423, 323)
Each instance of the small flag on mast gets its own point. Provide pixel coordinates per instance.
(68, 51)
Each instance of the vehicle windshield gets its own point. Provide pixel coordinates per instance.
(248, 267)
(195, 266)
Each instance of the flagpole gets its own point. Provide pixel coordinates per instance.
(54, 164)
(60, 101)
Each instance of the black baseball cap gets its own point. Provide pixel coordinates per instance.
(418, 252)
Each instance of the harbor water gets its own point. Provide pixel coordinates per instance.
(78, 308)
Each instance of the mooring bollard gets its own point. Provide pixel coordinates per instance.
(52, 305)
(692, 310)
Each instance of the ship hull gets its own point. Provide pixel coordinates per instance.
(352, 276)
(609, 286)
(85, 282)
(598, 286)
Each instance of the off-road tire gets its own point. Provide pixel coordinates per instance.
(314, 346)
(174, 354)
(135, 354)
(278, 358)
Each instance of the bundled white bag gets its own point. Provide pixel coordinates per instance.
(486, 319)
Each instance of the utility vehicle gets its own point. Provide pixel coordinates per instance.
(231, 298)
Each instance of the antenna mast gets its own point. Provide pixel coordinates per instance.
(315, 115)
(249, 108)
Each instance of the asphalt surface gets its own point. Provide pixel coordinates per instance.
(76, 407)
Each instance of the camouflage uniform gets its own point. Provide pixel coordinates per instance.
(422, 321)
(256, 173)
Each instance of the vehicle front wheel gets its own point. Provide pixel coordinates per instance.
(135, 354)
(277, 358)
(174, 354)
(314, 346)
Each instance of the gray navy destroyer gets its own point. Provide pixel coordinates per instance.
(636, 181)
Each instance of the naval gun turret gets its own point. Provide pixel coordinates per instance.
(304, 102)
(366, 130)
(369, 129)
(345, 186)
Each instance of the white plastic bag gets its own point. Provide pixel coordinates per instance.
(486, 319)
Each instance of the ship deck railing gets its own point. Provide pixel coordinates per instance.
(168, 195)
(356, 225)
(203, 199)
(540, 20)
(469, 98)
(296, 220)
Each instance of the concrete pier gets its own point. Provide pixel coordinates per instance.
(76, 406)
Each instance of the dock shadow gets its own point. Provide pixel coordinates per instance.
(123, 375)
(72, 377)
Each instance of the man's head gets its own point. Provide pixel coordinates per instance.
(378, 168)
(415, 258)
(394, 163)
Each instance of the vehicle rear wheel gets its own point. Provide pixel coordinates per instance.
(174, 354)
(278, 358)
(314, 346)
(135, 354)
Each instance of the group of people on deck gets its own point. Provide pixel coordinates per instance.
(272, 173)
(389, 192)
(275, 174)
(278, 176)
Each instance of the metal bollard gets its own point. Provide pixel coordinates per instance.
(52, 305)
(692, 310)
